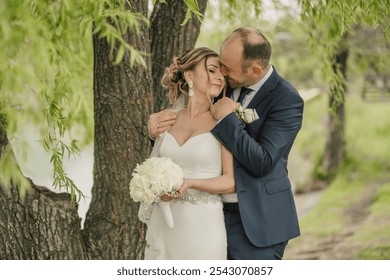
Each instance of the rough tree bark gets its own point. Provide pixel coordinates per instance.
(122, 103)
(170, 39)
(46, 225)
(43, 225)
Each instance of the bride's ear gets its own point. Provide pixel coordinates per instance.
(188, 76)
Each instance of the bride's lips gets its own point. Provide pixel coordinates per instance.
(218, 85)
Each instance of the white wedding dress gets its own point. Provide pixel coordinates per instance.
(199, 230)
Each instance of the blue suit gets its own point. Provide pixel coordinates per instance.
(260, 149)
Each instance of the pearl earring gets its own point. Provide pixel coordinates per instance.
(190, 91)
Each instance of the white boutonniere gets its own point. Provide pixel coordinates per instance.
(246, 115)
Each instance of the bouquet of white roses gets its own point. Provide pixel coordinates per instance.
(154, 177)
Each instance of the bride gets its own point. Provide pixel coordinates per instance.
(192, 80)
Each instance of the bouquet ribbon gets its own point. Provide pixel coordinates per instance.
(166, 209)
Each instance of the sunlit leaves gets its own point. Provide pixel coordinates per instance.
(60, 179)
(193, 8)
(112, 24)
(10, 173)
(46, 68)
(328, 21)
(234, 9)
(7, 160)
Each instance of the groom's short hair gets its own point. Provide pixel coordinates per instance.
(256, 46)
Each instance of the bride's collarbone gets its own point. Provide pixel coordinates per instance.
(202, 120)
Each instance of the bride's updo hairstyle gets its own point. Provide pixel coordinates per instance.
(173, 78)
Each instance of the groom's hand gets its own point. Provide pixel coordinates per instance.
(223, 107)
(160, 122)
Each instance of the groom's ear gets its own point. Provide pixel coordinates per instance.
(256, 69)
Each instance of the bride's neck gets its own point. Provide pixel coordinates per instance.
(198, 106)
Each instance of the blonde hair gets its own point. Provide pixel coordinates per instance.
(173, 78)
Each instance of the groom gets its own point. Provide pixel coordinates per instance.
(260, 217)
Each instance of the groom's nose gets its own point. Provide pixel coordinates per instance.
(223, 70)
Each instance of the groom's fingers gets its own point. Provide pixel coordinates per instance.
(160, 122)
(223, 107)
(166, 115)
(167, 123)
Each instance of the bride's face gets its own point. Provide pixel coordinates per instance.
(208, 80)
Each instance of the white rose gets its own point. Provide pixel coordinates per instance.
(247, 116)
(154, 177)
(142, 195)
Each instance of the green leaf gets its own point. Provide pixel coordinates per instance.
(119, 56)
(192, 8)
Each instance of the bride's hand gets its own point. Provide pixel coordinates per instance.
(186, 184)
(169, 196)
(177, 194)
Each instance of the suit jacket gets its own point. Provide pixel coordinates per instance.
(260, 151)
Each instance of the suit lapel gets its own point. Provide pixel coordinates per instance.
(263, 92)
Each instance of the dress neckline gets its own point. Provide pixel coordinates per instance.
(189, 139)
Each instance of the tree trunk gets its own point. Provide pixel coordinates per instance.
(42, 225)
(170, 39)
(335, 145)
(46, 225)
(122, 103)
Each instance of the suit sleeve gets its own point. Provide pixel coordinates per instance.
(259, 149)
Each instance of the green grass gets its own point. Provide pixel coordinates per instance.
(311, 140)
(328, 216)
(376, 232)
(362, 184)
(368, 130)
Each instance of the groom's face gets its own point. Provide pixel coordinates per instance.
(231, 63)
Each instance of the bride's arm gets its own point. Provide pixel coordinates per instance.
(220, 184)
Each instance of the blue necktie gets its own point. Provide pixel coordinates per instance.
(243, 92)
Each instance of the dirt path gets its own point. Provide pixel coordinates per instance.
(340, 246)
(305, 202)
